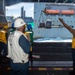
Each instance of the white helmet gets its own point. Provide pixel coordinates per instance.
(19, 22)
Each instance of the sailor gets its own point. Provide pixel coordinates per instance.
(3, 43)
(73, 42)
(30, 34)
(18, 49)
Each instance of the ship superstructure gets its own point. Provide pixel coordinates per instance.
(51, 12)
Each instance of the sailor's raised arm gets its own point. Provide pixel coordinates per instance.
(67, 26)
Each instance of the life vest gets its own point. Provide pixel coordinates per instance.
(29, 35)
(73, 42)
(3, 36)
(15, 52)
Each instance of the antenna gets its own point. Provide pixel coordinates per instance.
(56, 1)
(65, 1)
(38, 0)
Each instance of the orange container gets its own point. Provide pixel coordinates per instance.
(52, 11)
(67, 12)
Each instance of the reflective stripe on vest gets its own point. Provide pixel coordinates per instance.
(3, 36)
(73, 42)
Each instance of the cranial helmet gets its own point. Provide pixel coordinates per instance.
(19, 22)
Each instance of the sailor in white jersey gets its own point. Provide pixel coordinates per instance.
(18, 49)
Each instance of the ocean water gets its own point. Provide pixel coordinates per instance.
(56, 39)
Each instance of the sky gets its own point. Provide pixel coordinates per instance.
(15, 10)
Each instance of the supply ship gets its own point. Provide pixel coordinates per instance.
(53, 43)
(51, 48)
